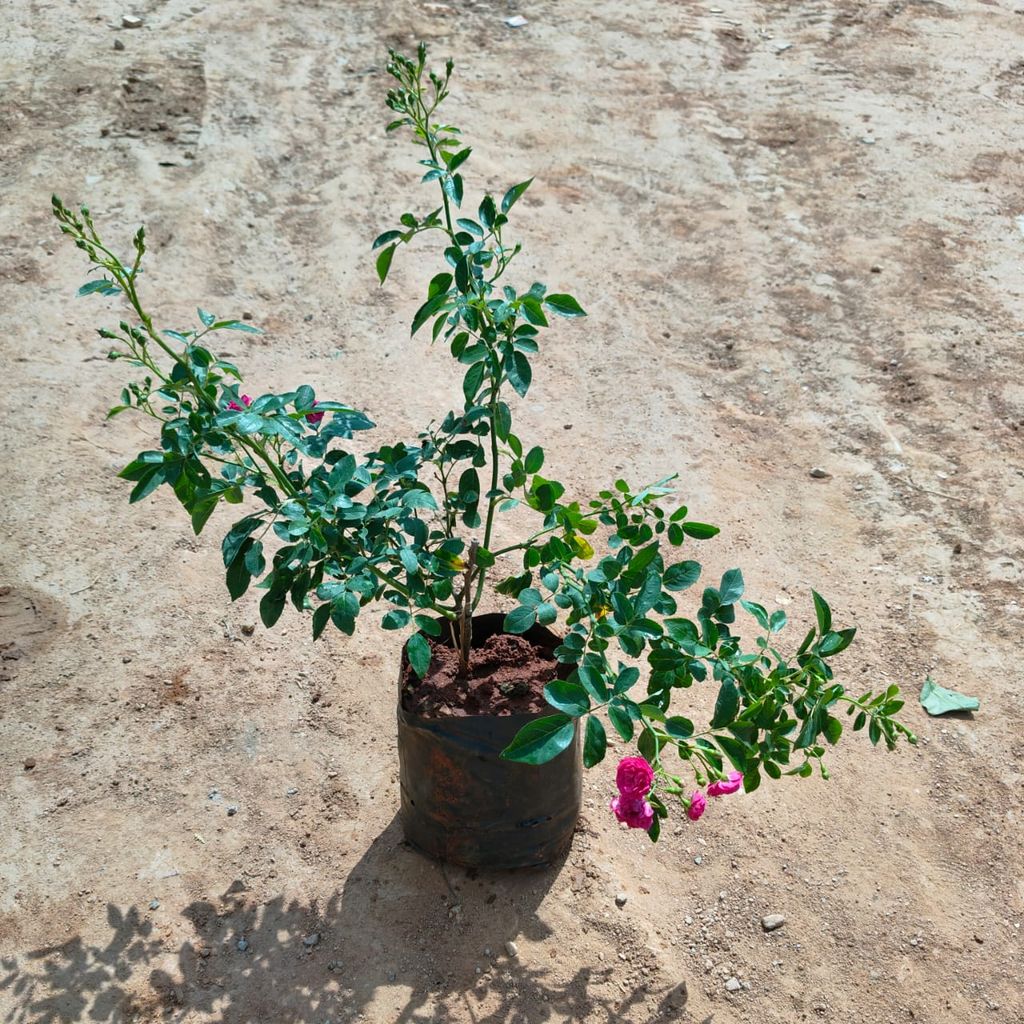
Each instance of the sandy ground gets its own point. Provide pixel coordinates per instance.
(793, 225)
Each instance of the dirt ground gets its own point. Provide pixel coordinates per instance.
(794, 226)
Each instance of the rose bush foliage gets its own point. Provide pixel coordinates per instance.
(410, 524)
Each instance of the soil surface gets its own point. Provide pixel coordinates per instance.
(796, 228)
(507, 676)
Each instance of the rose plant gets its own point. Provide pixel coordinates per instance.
(411, 524)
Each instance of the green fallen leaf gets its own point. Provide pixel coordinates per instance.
(937, 700)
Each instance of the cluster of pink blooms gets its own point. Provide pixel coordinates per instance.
(635, 777)
(311, 417)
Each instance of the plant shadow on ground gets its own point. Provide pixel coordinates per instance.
(401, 942)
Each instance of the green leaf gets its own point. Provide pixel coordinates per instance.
(541, 740)
(236, 537)
(395, 619)
(235, 325)
(937, 700)
(428, 625)
(502, 421)
(726, 705)
(519, 373)
(627, 679)
(384, 262)
(513, 194)
(254, 560)
(822, 612)
(458, 159)
(731, 588)
(593, 682)
(473, 380)
(833, 643)
(678, 727)
(520, 619)
(388, 236)
(150, 480)
(487, 212)
(699, 531)
(238, 578)
(534, 460)
(409, 560)
(429, 308)
(320, 619)
(734, 749)
(564, 305)
(271, 606)
(533, 312)
(418, 652)
(680, 576)
(620, 719)
(418, 497)
(207, 318)
(833, 730)
(103, 286)
(595, 742)
(567, 697)
(201, 512)
(546, 613)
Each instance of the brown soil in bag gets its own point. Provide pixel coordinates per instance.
(507, 675)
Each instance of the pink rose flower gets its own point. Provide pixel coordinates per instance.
(314, 417)
(732, 783)
(635, 811)
(697, 805)
(634, 777)
(238, 408)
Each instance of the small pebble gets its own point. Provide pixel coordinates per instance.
(733, 985)
(772, 921)
(512, 949)
(516, 21)
(247, 315)
(620, 899)
(241, 945)
(30, 763)
(126, 660)
(292, 791)
(248, 629)
(232, 810)
(154, 904)
(876, 269)
(820, 474)
(392, 975)
(698, 860)
(311, 940)
(118, 44)
(131, 21)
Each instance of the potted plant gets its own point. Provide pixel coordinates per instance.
(492, 708)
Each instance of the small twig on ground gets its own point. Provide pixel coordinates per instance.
(927, 490)
(88, 586)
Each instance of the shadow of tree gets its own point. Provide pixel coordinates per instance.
(406, 940)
